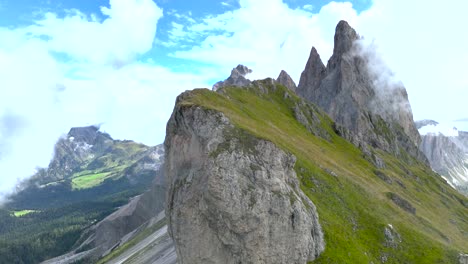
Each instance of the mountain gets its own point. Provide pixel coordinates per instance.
(254, 173)
(237, 78)
(360, 98)
(88, 178)
(448, 155)
(257, 174)
(250, 183)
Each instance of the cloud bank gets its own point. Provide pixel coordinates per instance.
(75, 71)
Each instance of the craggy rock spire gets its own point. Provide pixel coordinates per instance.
(311, 77)
(345, 36)
(237, 78)
(286, 80)
(376, 111)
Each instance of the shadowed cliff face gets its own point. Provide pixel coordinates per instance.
(234, 198)
(358, 98)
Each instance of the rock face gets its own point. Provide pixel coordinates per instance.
(80, 145)
(448, 156)
(234, 198)
(286, 80)
(376, 111)
(237, 78)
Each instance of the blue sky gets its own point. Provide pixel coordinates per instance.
(121, 63)
(20, 13)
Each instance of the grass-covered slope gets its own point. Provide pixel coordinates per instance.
(404, 213)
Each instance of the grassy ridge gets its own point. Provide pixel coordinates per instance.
(352, 202)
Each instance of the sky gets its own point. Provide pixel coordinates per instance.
(121, 63)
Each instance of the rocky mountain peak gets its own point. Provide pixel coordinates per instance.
(87, 134)
(286, 80)
(374, 108)
(237, 78)
(312, 75)
(240, 70)
(345, 36)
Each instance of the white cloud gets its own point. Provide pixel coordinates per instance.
(265, 39)
(127, 31)
(42, 96)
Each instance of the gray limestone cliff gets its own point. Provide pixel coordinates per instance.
(374, 110)
(234, 198)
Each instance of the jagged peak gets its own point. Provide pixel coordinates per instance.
(347, 89)
(240, 70)
(314, 58)
(345, 36)
(237, 78)
(285, 79)
(312, 75)
(86, 134)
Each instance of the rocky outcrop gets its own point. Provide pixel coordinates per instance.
(286, 80)
(234, 198)
(312, 76)
(402, 203)
(237, 78)
(392, 237)
(375, 110)
(463, 258)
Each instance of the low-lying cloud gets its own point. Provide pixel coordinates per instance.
(390, 94)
